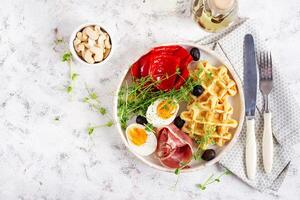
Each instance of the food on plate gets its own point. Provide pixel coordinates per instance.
(92, 44)
(208, 154)
(195, 53)
(197, 90)
(166, 65)
(164, 83)
(141, 140)
(209, 115)
(174, 147)
(141, 120)
(215, 80)
(162, 112)
(178, 122)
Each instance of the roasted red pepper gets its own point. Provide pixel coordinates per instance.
(166, 75)
(165, 63)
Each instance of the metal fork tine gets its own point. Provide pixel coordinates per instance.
(268, 67)
(265, 87)
(271, 67)
(267, 74)
(261, 65)
(264, 66)
(267, 61)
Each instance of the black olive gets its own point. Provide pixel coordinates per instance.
(195, 53)
(208, 154)
(179, 122)
(141, 120)
(197, 90)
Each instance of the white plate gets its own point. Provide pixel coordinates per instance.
(237, 103)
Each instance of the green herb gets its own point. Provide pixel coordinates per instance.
(182, 165)
(102, 111)
(74, 76)
(212, 179)
(67, 57)
(69, 89)
(91, 129)
(149, 127)
(135, 98)
(93, 101)
(177, 171)
(204, 141)
(209, 75)
(93, 95)
(86, 99)
(109, 123)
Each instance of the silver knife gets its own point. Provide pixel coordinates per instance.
(250, 90)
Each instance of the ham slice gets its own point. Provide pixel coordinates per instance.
(174, 147)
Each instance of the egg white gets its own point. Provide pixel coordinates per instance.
(154, 119)
(148, 147)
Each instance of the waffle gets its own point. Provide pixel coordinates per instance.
(215, 80)
(209, 115)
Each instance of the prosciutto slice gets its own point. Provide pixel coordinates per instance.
(174, 147)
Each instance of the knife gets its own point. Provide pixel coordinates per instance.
(250, 90)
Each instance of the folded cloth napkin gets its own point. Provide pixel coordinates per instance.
(284, 108)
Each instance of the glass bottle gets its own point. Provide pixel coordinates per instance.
(214, 15)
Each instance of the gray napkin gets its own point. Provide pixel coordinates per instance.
(284, 108)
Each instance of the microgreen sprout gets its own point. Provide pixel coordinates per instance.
(92, 99)
(149, 127)
(91, 129)
(67, 57)
(135, 98)
(178, 171)
(212, 179)
(204, 141)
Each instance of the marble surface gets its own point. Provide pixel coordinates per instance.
(48, 159)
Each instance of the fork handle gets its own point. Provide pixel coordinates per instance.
(267, 143)
(250, 149)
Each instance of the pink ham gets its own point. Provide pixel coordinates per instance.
(174, 147)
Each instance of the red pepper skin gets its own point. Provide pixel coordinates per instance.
(163, 67)
(166, 49)
(145, 64)
(186, 58)
(135, 70)
(181, 78)
(161, 63)
(141, 67)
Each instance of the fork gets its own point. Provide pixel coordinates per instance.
(265, 86)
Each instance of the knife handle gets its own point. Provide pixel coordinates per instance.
(250, 149)
(267, 143)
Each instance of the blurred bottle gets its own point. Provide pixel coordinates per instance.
(214, 15)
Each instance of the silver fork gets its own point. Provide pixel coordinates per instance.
(265, 86)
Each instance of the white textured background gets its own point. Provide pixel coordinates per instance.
(41, 158)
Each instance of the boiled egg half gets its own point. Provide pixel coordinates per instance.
(162, 112)
(140, 140)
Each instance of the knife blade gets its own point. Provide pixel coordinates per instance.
(250, 90)
(250, 75)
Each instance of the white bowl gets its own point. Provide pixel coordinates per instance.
(236, 101)
(74, 53)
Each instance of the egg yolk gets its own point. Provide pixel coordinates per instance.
(137, 136)
(166, 109)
